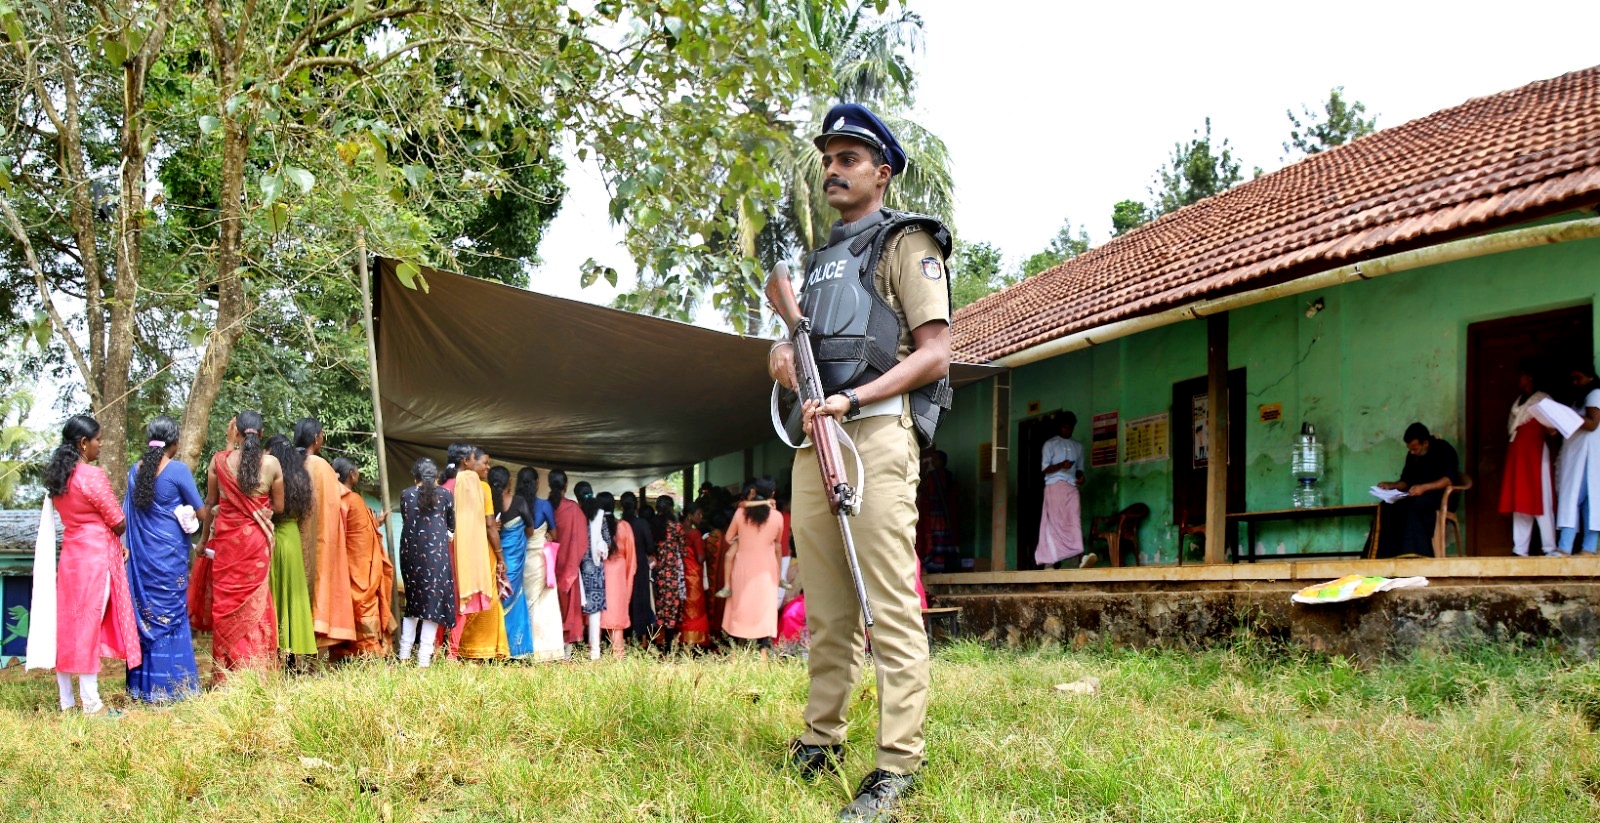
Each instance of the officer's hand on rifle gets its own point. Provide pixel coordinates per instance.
(836, 406)
(780, 364)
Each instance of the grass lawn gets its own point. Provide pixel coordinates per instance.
(1238, 734)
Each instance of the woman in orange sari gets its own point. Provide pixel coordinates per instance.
(371, 572)
(322, 544)
(479, 564)
(230, 594)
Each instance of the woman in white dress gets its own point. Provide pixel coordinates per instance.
(544, 605)
(1578, 473)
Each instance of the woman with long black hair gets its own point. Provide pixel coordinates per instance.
(371, 584)
(230, 593)
(753, 552)
(93, 610)
(322, 547)
(671, 587)
(516, 527)
(641, 605)
(161, 510)
(539, 573)
(572, 530)
(591, 568)
(428, 514)
(480, 566)
(291, 600)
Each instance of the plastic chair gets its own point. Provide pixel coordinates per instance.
(1123, 525)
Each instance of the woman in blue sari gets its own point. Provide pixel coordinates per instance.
(162, 508)
(516, 525)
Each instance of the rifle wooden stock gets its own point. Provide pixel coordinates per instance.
(843, 498)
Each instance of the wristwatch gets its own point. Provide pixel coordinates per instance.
(855, 403)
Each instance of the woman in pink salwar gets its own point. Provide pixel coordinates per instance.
(94, 613)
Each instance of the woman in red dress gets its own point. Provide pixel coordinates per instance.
(94, 612)
(231, 596)
(696, 630)
(1526, 491)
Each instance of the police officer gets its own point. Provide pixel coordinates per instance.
(878, 296)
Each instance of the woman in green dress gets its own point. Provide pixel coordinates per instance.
(287, 578)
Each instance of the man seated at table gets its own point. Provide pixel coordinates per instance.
(1408, 523)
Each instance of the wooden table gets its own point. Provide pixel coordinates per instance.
(1249, 519)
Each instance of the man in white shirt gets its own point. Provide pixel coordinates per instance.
(1061, 525)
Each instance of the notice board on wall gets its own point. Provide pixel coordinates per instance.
(1103, 440)
(1147, 438)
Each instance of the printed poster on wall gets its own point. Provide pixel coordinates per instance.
(1103, 440)
(1146, 439)
(1200, 419)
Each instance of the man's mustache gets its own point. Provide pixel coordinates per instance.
(836, 181)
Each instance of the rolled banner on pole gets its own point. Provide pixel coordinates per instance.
(41, 653)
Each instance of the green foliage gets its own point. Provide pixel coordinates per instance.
(1061, 248)
(435, 129)
(23, 451)
(974, 272)
(1128, 215)
(1196, 170)
(1339, 122)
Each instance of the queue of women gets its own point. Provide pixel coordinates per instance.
(291, 567)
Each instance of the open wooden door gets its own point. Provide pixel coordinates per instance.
(1189, 463)
(1494, 349)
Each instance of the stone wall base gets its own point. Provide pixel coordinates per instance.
(1446, 613)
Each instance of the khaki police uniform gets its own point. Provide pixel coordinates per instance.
(911, 276)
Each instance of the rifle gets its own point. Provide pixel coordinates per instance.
(844, 499)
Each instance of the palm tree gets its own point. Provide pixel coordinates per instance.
(870, 65)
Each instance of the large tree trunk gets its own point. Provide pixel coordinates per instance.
(231, 308)
(230, 299)
(130, 228)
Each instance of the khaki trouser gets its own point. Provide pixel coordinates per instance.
(883, 534)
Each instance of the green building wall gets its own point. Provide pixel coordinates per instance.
(1380, 355)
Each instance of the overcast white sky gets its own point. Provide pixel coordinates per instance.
(1055, 111)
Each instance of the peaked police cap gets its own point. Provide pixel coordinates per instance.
(855, 121)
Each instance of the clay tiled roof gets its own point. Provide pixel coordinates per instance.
(1488, 163)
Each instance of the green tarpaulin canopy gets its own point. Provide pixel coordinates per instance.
(612, 397)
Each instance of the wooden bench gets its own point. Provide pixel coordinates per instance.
(948, 616)
(1247, 552)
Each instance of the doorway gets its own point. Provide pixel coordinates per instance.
(1031, 434)
(1494, 350)
(1189, 464)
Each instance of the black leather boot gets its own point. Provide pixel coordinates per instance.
(879, 797)
(811, 761)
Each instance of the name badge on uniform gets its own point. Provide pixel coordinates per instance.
(932, 268)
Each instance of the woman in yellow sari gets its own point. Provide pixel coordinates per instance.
(479, 565)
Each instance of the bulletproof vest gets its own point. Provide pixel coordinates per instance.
(855, 332)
